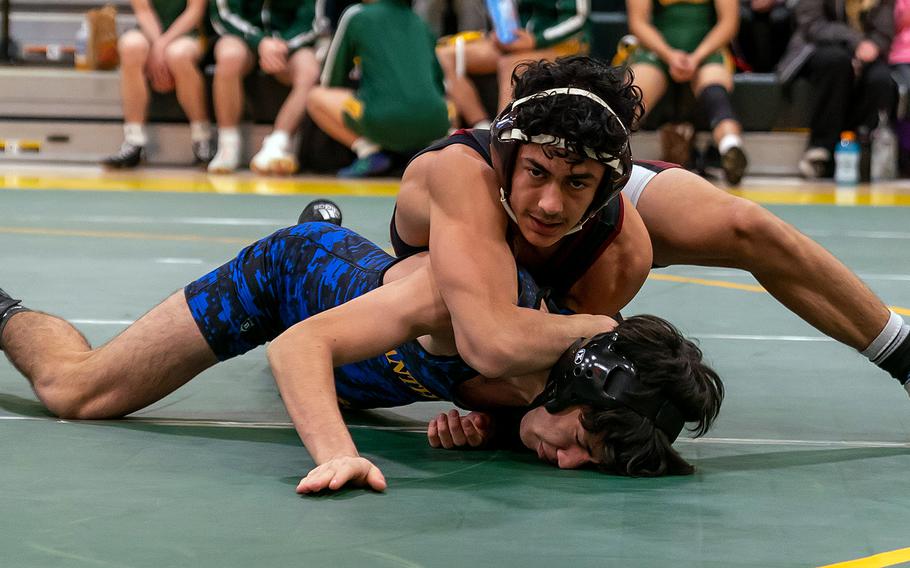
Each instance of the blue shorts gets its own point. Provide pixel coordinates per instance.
(280, 280)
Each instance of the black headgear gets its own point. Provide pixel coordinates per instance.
(506, 139)
(592, 373)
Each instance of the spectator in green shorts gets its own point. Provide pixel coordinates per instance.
(165, 52)
(685, 41)
(400, 104)
(278, 35)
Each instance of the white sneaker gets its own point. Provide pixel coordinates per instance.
(227, 158)
(814, 163)
(274, 157)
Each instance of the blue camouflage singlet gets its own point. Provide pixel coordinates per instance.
(304, 270)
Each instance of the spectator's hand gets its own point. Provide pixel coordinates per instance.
(156, 68)
(762, 6)
(335, 473)
(273, 55)
(682, 66)
(451, 430)
(523, 42)
(866, 51)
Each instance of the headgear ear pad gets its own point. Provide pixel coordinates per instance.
(506, 139)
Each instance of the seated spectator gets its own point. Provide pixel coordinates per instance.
(400, 103)
(686, 42)
(165, 51)
(842, 49)
(469, 14)
(765, 27)
(550, 29)
(278, 35)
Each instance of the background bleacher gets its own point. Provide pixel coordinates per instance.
(75, 115)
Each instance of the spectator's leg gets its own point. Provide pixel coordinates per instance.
(182, 56)
(479, 56)
(133, 48)
(875, 92)
(712, 86)
(432, 12)
(325, 106)
(302, 75)
(780, 22)
(653, 84)
(233, 60)
(276, 155)
(830, 70)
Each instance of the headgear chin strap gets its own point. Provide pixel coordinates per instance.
(592, 373)
(506, 138)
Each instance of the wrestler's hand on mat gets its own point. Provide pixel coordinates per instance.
(452, 430)
(337, 472)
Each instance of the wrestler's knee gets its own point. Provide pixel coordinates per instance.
(68, 394)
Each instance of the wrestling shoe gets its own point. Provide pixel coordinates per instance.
(814, 163)
(372, 165)
(321, 210)
(734, 163)
(676, 142)
(274, 157)
(8, 307)
(129, 156)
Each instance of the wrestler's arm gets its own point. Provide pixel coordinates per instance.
(302, 360)
(476, 275)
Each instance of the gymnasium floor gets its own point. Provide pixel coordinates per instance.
(807, 465)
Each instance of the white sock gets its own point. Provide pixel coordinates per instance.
(484, 124)
(134, 133)
(200, 131)
(229, 136)
(729, 141)
(278, 138)
(894, 332)
(364, 147)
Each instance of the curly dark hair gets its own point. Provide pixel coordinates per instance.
(669, 364)
(579, 121)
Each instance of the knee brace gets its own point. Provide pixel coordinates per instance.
(714, 101)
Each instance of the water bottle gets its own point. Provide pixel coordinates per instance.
(884, 150)
(846, 160)
(505, 19)
(81, 55)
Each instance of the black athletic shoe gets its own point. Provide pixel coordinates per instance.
(734, 163)
(203, 151)
(8, 307)
(321, 210)
(129, 156)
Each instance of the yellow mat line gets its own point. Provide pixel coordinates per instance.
(733, 286)
(205, 184)
(876, 561)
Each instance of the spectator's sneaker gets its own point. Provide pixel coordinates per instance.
(226, 160)
(814, 163)
(321, 210)
(373, 165)
(676, 142)
(129, 156)
(734, 164)
(204, 151)
(274, 158)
